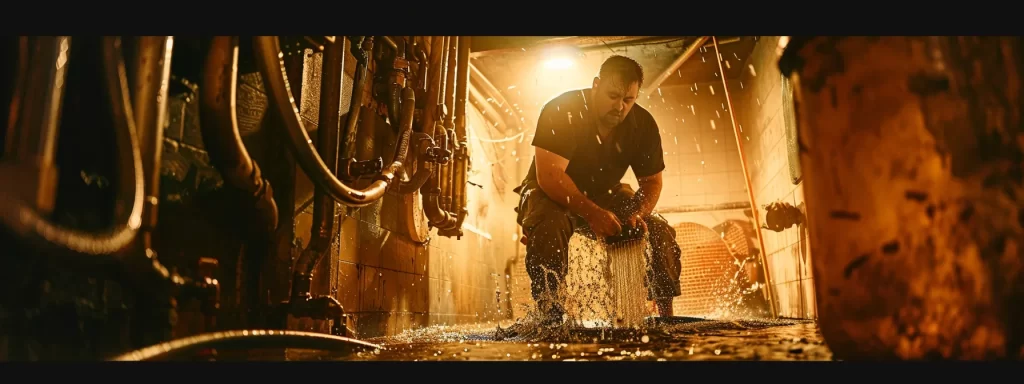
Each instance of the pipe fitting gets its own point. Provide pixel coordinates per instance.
(781, 215)
(279, 92)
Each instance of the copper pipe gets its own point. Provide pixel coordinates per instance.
(437, 50)
(461, 87)
(322, 231)
(397, 80)
(150, 83)
(746, 179)
(424, 168)
(391, 43)
(449, 83)
(461, 168)
(687, 53)
(488, 109)
(724, 42)
(254, 339)
(36, 108)
(271, 65)
(705, 207)
(488, 90)
(20, 84)
(23, 220)
(362, 80)
(437, 216)
(219, 122)
(445, 176)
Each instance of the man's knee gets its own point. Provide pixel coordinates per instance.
(547, 241)
(549, 229)
(661, 233)
(666, 265)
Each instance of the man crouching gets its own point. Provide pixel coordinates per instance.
(585, 142)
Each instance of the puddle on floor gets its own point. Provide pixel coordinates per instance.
(691, 339)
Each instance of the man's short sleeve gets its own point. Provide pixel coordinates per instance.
(554, 132)
(649, 158)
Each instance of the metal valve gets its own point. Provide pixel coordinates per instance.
(360, 168)
(438, 155)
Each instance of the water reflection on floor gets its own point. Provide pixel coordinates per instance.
(695, 340)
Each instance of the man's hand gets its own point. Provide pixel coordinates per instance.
(604, 223)
(637, 221)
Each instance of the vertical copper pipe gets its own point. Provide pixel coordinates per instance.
(461, 88)
(449, 83)
(23, 220)
(461, 174)
(20, 83)
(35, 117)
(150, 83)
(769, 289)
(437, 216)
(445, 175)
(322, 231)
(437, 50)
(218, 120)
(362, 80)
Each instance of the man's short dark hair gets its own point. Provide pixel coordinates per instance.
(627, 69)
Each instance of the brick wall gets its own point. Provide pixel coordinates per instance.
(759, 109)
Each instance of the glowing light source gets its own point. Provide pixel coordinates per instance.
(558, 63)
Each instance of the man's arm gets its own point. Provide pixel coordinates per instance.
(559, 187)
(644, 200)
(647, 196)
(648, 164)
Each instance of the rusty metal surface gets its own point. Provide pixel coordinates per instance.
(912, 160)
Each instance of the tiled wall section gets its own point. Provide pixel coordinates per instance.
(759, 112)
(699, 144)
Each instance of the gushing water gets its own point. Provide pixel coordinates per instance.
(628, 267)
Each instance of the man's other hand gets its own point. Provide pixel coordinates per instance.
(636, 221)
(604, 223)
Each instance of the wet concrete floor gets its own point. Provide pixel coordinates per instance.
(687, 340)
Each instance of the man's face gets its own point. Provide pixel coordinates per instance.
(612, 99)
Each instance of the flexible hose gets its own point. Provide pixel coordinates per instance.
(19, 218)
(218, 123)
(243, 339)
(268, 53)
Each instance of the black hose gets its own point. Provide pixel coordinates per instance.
(247, 339)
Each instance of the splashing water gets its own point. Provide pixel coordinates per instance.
(628, 262)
